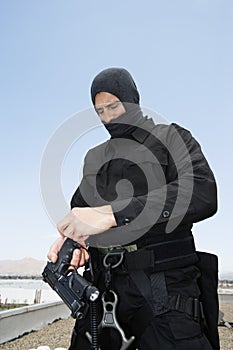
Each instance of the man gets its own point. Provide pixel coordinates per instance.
(142, 190)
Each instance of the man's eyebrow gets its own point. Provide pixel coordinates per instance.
(98, 107)
(106, 105)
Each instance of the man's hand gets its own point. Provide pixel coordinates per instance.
(81, 223)
(80, 256)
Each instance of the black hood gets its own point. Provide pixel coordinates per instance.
(119, 82)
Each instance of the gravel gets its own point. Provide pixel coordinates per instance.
(55, 335)
(58, 334)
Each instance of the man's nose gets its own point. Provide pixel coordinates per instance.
(107, 116)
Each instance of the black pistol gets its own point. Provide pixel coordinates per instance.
(74, 290)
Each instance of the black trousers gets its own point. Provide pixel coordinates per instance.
(162, 330)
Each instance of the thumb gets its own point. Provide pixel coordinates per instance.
(52, 257)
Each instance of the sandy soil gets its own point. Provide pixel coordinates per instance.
(58, 334)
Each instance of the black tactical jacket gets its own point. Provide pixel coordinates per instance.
(167, 183)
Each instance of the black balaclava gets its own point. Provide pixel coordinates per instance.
(119, 82)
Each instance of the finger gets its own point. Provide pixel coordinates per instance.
(84, 237)
(84, 250)
(55, 248)
(52, 257)
(61, 226)
(69, 231)
(64, 223)
(86, 254)
(83, 259)
(75, 261)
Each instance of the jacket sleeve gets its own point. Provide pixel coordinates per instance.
(77, 200)
(189, 194)
(86, 194)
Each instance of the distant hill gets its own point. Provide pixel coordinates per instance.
(226, 276)
(29, 266)
(24, 267)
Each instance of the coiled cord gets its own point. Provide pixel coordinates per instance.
(94, 326)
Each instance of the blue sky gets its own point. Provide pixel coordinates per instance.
(180, 53)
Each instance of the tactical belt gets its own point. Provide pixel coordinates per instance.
(159, 256)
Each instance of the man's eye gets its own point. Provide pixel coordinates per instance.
(100, 111)
(113, 106)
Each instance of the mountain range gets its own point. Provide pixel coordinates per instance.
(226, 275)
(23, 267)
(30, 266)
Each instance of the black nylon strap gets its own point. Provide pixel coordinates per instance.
(160, 255)
(145, 314)
(191, 306)
(158, 285)
(140, 259)
(142, 282)
(172, 249)
(159, 293)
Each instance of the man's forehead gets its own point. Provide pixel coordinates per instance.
(105, 98)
